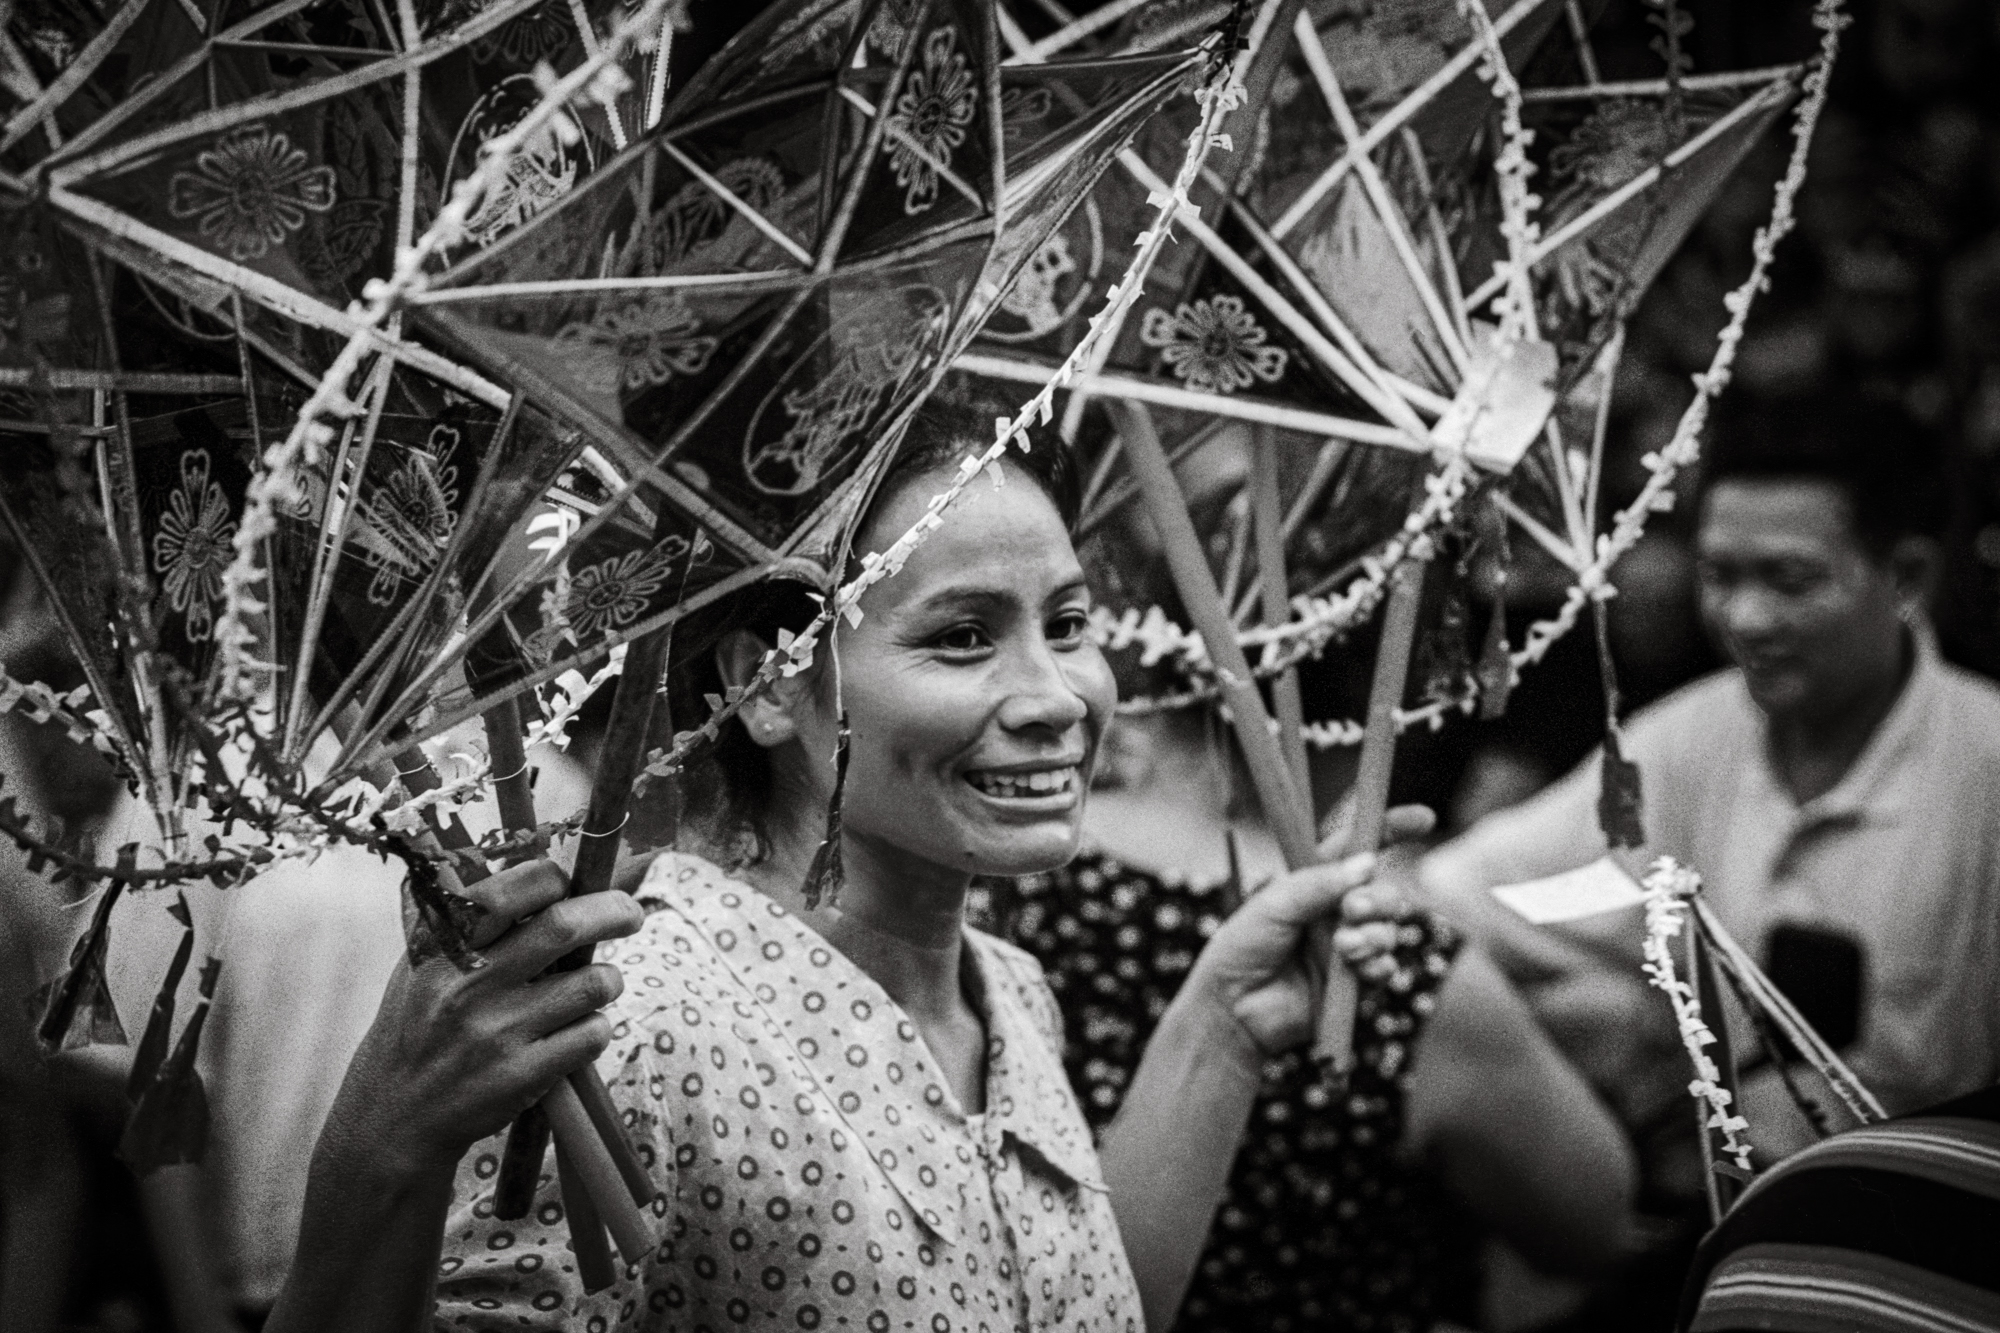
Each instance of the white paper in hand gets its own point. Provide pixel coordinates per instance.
(1602, 886)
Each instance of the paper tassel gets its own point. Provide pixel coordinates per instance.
(80, 1011)
(153, 1045)
(1620, 807)
(1445, 652)
(1495, 671)
(169, 1125)
(824, 875)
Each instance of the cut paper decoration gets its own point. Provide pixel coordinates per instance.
(1625, 181)
(1592, 890)
(169, 1122)
(782, 270)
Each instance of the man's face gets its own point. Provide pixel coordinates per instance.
(1794, 598)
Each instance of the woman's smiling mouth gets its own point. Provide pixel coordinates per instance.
(1039, 784)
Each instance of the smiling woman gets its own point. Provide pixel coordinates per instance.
(857, 1111)
(733, 804)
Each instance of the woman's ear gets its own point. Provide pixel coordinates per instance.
(767, 715)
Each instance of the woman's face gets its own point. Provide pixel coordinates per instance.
(975, 696)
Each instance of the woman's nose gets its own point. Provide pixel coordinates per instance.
(1042, 696)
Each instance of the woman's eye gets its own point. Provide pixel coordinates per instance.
(961, 639)
(1069, 627)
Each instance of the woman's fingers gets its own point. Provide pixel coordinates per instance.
(1307, 895)
(1405, 823)
(630, 872)
(565, 1050)
(1373, 902)
(562, 998)
(572, 923)
(513, 893)
(1401, 824)
(1355, 943)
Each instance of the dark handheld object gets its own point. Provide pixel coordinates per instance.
(1822, 973)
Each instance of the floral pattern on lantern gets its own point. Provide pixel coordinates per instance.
(639, 345)
(192, 546)
(541, 34)
(1213, 345)
(930, 119)
(606, 597)
(250, 191)
(412, 515)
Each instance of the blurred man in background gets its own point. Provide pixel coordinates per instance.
(1834, 788)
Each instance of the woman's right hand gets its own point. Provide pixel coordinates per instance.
(452, 1055)
(1253, 967)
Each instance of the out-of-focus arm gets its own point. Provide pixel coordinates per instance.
(1581, 981)
(1553, 831)
(1511, 1128)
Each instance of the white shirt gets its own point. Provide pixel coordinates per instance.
(1902, 855)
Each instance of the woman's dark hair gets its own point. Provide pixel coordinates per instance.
(725, 790)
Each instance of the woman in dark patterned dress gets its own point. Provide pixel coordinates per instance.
(1353, 1204)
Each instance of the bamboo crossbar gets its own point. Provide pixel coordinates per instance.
(125, 381)
(1735, 78)
(1134, 389)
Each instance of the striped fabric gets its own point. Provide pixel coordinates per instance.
(1892, 1228)
(1824, 1289)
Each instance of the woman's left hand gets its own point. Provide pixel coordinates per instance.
(1255, 966)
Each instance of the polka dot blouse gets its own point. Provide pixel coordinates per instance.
(1324, 1225)
(815, 1170)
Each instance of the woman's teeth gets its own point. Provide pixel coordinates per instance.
(1045, 782)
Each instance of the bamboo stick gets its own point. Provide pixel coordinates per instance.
(1731, 78)
(520, 1175)
(507, 758)
(521, 1159)
(1860, 1103)
(1267, 514)
(1285, 808)
(597, 853)
(597, 1103)
(586, 1229)
(1378, 745)
(583, 1148)
(618, 766)
(1720, 1187)
(128, 381)
(516, 1189)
